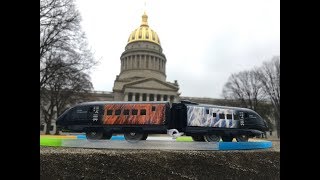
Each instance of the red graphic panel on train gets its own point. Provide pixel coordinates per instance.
(134, 114)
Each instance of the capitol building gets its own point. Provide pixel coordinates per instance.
(143, 69)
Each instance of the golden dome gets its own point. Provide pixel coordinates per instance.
(144, 33)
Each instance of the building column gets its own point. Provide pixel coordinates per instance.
(140, 97)
(126, 97)
(146, 62)
(161, 97)
(134, 97)
(148, 98)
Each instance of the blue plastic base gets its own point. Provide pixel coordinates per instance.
(244, 145)
(118, 138)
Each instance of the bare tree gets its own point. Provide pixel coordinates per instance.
(63, 89)
(61, 38)
(269, 76)
(245, 88)
(65, 59)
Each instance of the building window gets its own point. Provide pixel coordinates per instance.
(140, 33)
(153, 35)
(165, 98)
(151, 98)
(214, 114)
(126, 112)
(134, 112)
(158, 97)
(221, 116)
(130, 97)
(229, 116)
(144, 97)
(41, 127)
(137, 96)
(143, 112)
(147, 61)
(51, 128)
(207, 111)
(117, 112)
(109, 112)
(153, 108)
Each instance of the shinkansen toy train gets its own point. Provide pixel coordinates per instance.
(136, 120)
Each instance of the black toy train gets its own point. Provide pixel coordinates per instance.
(99, 120)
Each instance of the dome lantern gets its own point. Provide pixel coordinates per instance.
(144, 20)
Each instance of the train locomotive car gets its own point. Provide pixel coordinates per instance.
(211, 123)
(99, 120)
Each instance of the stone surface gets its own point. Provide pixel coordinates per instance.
(77, 163)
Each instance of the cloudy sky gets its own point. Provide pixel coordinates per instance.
(204, 41)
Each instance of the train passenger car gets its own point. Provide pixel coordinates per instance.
(210, 123)
(99, 120)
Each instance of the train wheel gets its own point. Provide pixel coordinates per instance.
(107, 135)
(145, 136)
(94, 135)
(133, 136)
(212, 138)
(198, 138)
(242, 138)
(227, 138)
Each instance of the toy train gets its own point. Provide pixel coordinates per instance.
(136, 120)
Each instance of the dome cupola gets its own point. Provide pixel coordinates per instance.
(144, 32)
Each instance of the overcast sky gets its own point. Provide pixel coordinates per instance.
(204, 41)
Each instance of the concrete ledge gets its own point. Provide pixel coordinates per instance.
(77, 163)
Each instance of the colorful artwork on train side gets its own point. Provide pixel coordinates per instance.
(134, 114)
(211, 117)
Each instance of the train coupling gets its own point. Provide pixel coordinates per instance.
(174, 133)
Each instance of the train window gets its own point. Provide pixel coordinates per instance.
(229, 116)
(221, 116)
(134, 112)
(153, 108)
(126, 112)
(117, 112)
(245, 115)
(80, 113)
(214, 114)
(207, 111)
(236, 116)
(109, 112)
(143, 112)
